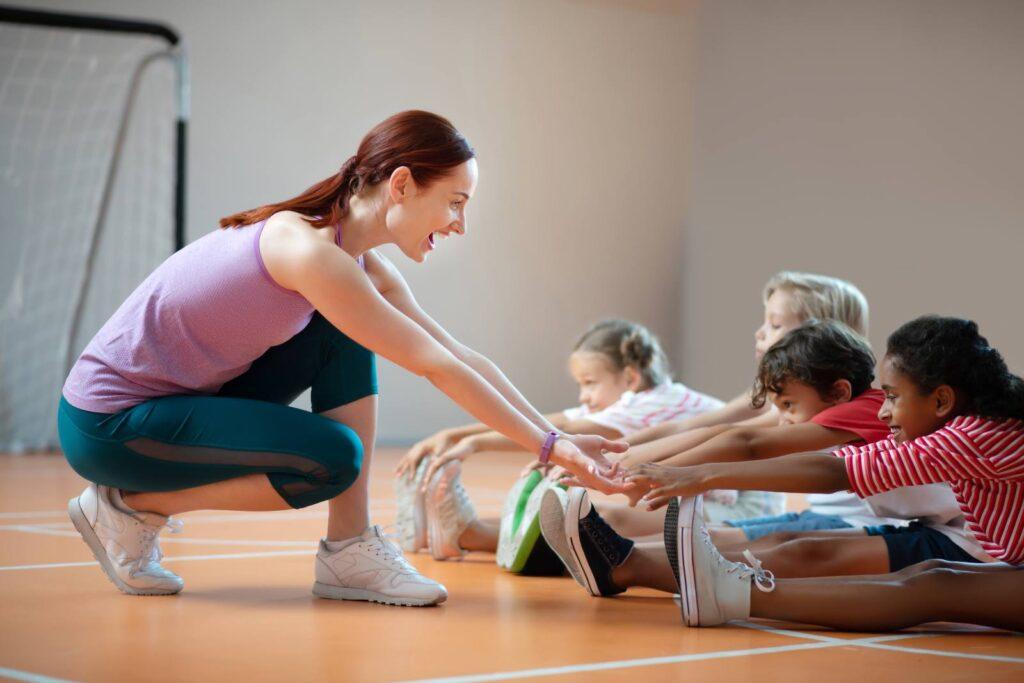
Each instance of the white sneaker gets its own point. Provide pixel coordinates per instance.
(124, 543)
(412, 512)
(449, 512)
(712, 589)
(373, 569)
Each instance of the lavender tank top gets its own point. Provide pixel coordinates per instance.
(200, 319)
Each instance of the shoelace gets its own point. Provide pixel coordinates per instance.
(603, 535)
(385, 549)
(763, 578)
(151, 549)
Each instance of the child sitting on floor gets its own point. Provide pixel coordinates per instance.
(625, 385)
(956, 416)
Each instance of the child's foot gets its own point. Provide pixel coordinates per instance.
(372, 568)
(712, 589)
(412, 513)
(449, 512)
(589, 548)
(124, 542)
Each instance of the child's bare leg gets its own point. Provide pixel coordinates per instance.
(836, 556)
(647, 565)
(991, 597)
(632, 522)
(481, 534)
(776, 539)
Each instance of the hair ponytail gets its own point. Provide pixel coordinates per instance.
(627, 344)
(933, 350)
(427, 144)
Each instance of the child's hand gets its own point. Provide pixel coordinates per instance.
(665, 483)
(432, 445)
(595, 447)
(459, 451)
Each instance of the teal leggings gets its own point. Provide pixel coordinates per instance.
(177, 442)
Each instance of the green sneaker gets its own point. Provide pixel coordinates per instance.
(521, 548)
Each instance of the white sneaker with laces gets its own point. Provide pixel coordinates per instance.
(373, 569)
(712, 589)
(124, 543)
(412, 513)
(449, 512)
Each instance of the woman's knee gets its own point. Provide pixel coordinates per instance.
(343, 456)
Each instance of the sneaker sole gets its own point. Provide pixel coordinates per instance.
(411, 522)
(528, 533)
(572, 533)
(88, 535)
(686, 512)
(329, 592)
(511, 517)
(434, 535)
(552, 527)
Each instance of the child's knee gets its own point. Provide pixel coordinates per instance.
(780, 537)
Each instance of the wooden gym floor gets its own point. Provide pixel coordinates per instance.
(247, 613)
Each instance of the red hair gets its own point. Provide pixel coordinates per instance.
(427, 144)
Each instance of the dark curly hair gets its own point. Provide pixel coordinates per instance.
(818, 353)
(934, 350)
(628, 344)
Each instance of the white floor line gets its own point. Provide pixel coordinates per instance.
(33, 515)
(19, 675)
(46, 531)
(178, 558)
(879, 643)
(945, 653)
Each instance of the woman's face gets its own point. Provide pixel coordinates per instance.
(600, 384)
(420, 216)
(779, 318)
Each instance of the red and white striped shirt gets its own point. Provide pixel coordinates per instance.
(636, 410)
(981, 459)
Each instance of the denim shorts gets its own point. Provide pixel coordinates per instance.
(788, 521)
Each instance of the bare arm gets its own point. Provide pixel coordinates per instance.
(395, 290)
(755, 443)
(336, 286)
(493, 441)
(662, 449)
(796, 473)
(736, 410)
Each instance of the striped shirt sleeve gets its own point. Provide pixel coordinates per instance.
(948, 455)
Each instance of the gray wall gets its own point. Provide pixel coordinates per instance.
(578, 111)
(875, 140)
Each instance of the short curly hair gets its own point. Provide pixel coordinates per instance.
(819, 353)
(934, 350)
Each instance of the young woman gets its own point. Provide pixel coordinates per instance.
(180, 402)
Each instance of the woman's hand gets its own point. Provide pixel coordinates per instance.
(665, 483)
(459, 451)
(595, 447)
(585, 470)
(432, 445)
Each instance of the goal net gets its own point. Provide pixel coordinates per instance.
(92, 122)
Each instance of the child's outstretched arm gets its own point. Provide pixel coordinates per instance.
(494, 441)
(755, 443)
(736, 410)
(797, 473)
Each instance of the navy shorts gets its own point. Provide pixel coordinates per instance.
(916, 543)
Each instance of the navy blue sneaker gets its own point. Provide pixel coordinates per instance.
(587, 546)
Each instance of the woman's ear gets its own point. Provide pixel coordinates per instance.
(634, 380)
(400, 184)
(945, 401)
(842, 391)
